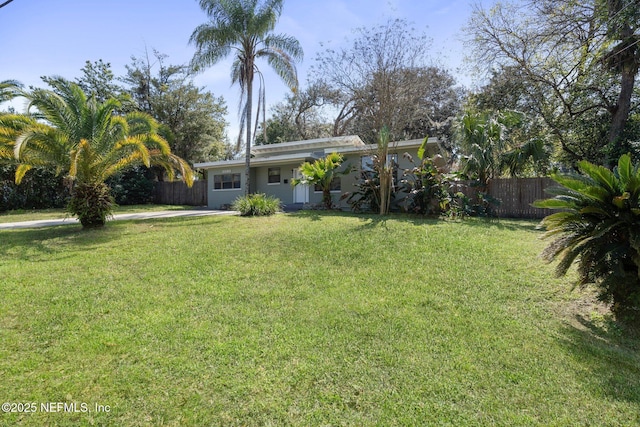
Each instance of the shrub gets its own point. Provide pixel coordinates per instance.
(256, 205)
(133, 186)
(40, 189)
(425, 187)
(599, 230)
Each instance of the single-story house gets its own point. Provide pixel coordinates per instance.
(273, 166)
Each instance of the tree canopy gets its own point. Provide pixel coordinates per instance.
(383, 78)
(576, 63)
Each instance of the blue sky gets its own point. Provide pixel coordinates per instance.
(45, 37)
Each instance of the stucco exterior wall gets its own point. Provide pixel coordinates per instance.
(217, 199)
(282, 190)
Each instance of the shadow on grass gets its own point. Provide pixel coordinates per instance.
(36, 244)
(608, 353)
(66, 241)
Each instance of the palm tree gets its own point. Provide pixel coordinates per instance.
(322, 172)
(9, 90)
(488, 148)
(244, 28)
(87, 141)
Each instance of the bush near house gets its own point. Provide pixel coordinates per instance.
(257, 205)
(598, 229)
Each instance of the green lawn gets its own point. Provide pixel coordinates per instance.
(305, 319)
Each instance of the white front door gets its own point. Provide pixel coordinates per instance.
(300, 192)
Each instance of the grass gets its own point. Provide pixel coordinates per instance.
(305, 319)
(43, 214)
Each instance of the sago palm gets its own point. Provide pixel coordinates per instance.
(244, 28)
(599, 229)
(88, 142)
(322, 172)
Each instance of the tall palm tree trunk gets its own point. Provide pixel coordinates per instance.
(247, 162)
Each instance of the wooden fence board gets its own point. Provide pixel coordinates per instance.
(517, 195)
(177, 193)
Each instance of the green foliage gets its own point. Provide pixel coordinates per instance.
(92, 203)
(193, 119)
(385, 168)
(257, 205)
(366, 196)
(573, 64)
(376, 188)
(425, 187)
(40, 189)
(133, 186)
(494, 144)
(9, 89)
(382, 77)
(322, 172)
(598, 229)
(430, 189)
(87, 141)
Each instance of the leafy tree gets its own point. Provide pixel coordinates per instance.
(577, 62)
(192, 118)
(382, 78)
(98, 80)
(598, 229)
(245, 28)
(88, 142)
(299, 117)
(322, 172)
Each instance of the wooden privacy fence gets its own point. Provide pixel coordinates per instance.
(516, 196)
(177, 193)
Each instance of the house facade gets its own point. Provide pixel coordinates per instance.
(273, 167)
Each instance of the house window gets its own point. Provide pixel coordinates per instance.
(335, 186)
(274, 176)
(366, 162)
(226, 181)
(366, 166)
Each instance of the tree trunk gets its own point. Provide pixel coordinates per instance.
(247, 162)
(624, 58)
(621, 113)
(326, 197)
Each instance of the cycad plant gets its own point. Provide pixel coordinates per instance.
(322, 172)
(598, 228)
(87, 142)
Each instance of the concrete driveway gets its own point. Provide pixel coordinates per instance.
(140, 215)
